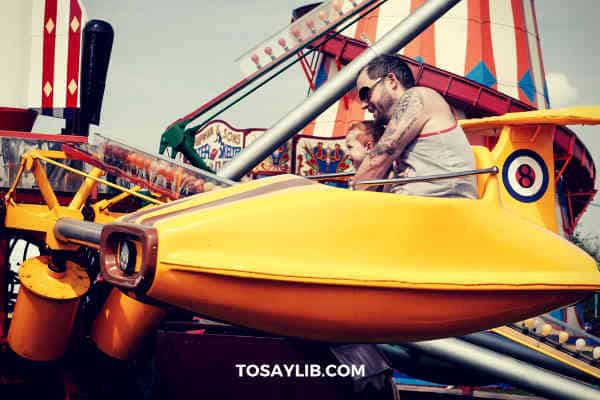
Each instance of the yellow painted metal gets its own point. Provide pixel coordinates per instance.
(45, 188)
(304, 259)
(487, 184)
(123, 323)
(39, 154)
(35, 275)
(30, 217)
(42, 218)
(45, 310)
(319, 234)
(547, 350)
(540, 138)
(101, 208)
(205, 197)
(85, 190)
(582, 115)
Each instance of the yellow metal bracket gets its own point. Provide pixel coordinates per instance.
(42, 218)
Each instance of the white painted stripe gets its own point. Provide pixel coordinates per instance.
(34, 96)
(533, 52)
(504, 45)
(390, 14)
(451, 39)
(326, 121)
(61, 54)
(511, 90)
(325, 129)
(541, 100)
(501, 12)
(84, 20)
(351, 30)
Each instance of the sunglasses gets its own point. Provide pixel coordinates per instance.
(364, 93)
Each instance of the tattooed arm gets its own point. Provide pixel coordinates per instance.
(407, 121)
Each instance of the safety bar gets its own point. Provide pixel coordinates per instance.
(80, 232)
(427, 178)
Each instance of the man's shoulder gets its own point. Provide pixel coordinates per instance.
(425, 92)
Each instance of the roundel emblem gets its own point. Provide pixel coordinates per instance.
(525, 175)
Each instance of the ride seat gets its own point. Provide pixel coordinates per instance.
(487, 184)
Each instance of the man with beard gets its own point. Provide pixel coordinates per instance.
(421, 132)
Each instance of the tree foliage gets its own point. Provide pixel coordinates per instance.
(589, 243)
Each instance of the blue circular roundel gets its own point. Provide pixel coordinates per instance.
(525, 175)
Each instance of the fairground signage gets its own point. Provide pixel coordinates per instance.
(218, 143)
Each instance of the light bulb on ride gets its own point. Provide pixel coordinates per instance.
(563, 337)
(311, 25)
(296, 33)
(580, 344)
(133, 163)
(337, 6)
(108, 153)
(130, 163)
(169, 174)
(152, 171)
(269, 51)
(546, 330)
(323, 17)
(529, 324)
(283, 44)
(256, 60)
(596, 353)
(354, 3)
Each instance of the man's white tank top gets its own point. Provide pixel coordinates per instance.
(437, 153)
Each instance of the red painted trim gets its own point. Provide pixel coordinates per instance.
(590, 193)
(570, 208)
(49, 47)
(440, 132)
(74, 54)
(424, 44)
(539, 45)
(522, 47)
(44, 136)
(17, 119)
(479, 36)
(307, 74)
(567, 160)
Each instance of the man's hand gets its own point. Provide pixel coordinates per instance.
(406, 122)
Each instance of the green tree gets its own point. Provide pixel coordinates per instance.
(591, 245)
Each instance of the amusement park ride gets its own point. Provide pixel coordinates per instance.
(140, 255)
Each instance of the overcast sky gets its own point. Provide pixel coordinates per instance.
(169, 57)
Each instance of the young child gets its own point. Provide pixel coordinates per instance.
(361, 137)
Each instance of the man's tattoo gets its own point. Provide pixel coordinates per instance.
(403, 119)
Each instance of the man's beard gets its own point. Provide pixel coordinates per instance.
(382, 117)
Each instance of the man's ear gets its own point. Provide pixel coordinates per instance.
(393, 81)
